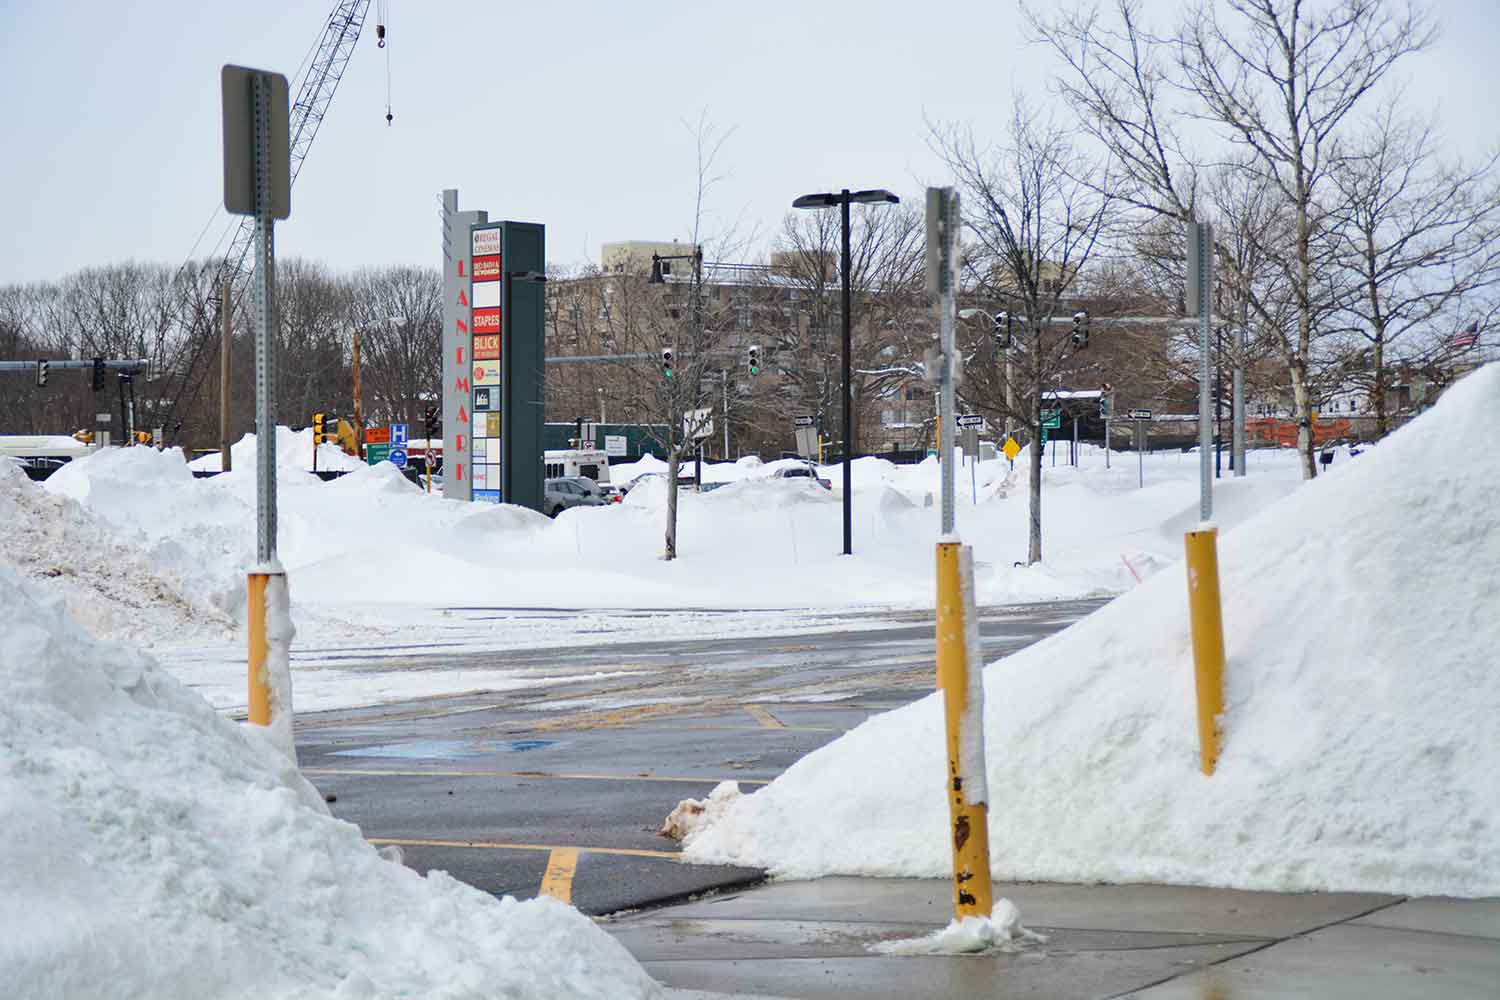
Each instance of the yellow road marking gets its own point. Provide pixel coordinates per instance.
(764, 717)
(558, 882)
(374, 772)
(485, 845)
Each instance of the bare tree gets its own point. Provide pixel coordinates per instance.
(1283, 77)
(890, 325)
(1035, 224)
(399, 311)
(675, 316)
(1418, 236)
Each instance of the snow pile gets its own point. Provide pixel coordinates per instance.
(111, 587)
(691, 815)
(1001, 930)
(371, 537)
(294, 451)
(158, 850)
(201, 537)
(1361, 698)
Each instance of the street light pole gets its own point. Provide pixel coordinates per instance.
(844, 198)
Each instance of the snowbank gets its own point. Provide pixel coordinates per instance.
(112, 587)
(294, 450)
(158, 850)
(1361, 701)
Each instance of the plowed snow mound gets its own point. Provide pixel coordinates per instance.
(156, 849)
(1361, 624)
(110, 587)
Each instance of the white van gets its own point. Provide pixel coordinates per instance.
(590, 463)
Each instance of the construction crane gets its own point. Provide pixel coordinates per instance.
(330, 58)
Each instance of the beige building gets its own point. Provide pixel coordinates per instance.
(634, 257)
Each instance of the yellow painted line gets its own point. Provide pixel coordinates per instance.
(485, 845)
(764, 717)
(376, 773)
(558, 882)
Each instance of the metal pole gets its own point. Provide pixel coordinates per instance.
(946, 321)
(1140, 455)
(1075, 439)
(1205, 388)
(1237, 405)
(1106, 442)
(265, 323)
(848, 427)
(226, 307)
(724, 374)
(1010, 396)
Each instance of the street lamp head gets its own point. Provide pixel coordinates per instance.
(816, 201)
(830, 199)
(656, 278)
(970, 313)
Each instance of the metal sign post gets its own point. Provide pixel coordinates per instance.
(959, 664)
(1200, 267)
(257, 181)
(1140, 417)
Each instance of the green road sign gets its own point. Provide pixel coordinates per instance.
(377, 453)
(1052, 419)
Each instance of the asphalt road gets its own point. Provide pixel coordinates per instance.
(561, 787)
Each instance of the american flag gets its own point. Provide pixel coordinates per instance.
(1467, 337)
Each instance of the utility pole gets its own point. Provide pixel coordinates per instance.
(724, 374)
(226, 325)
(359, 408)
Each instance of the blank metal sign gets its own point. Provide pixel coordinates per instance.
(239, 142)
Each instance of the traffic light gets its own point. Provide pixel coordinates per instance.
(325, 428)
(754, 359)
(1106, 400)
(1002, 330)
(98, 374)
(431, 417)
(1081, 329)
(666, 362)
(41, 374)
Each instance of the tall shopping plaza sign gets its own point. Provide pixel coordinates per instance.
(493, 357)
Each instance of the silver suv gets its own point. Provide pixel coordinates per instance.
(570, 491)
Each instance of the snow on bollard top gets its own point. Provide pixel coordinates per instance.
(161, 850)
(1360, 629)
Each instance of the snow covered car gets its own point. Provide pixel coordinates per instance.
(808, 471)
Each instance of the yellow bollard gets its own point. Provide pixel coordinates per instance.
(973, 894)
(1207, 620)
(260, 679)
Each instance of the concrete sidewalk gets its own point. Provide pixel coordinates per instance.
(811, 939)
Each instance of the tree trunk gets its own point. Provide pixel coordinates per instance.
(673, 460)
(1034, 502)
(1302, 407)
(1377, 395)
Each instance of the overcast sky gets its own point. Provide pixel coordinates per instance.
(569, 114)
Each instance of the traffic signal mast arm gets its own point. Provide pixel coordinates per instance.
(134, 367)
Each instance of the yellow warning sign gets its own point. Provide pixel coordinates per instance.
(1011, 449)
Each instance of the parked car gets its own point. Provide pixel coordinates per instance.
(801, 471)
(568, 491)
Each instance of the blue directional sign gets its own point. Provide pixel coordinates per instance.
(397, 457)
(398, 435)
